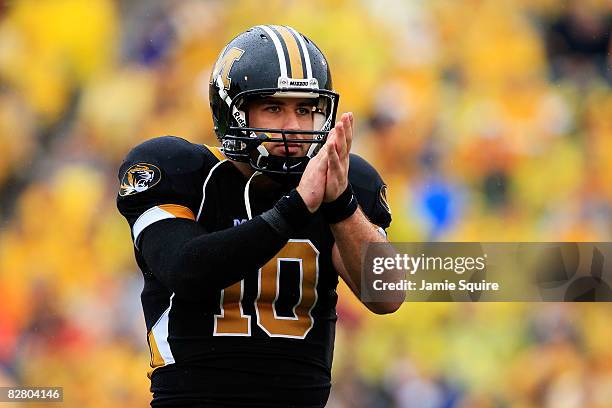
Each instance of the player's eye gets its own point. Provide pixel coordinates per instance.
(303, 111)
(272, 108)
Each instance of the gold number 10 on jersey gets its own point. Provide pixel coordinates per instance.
(233, 322)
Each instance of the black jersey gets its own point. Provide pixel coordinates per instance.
(264, 341)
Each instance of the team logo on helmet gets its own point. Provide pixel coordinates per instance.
(224, 66)
(138, 178)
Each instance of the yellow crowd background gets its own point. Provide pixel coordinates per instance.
(482, 129)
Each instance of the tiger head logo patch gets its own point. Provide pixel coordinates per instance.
(138, 178)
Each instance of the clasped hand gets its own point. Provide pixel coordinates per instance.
(326, 175)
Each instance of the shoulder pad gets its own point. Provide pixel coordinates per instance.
(163, 177)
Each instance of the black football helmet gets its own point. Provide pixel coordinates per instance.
(270, 61)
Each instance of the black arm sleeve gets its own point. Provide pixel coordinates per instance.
(189, 261)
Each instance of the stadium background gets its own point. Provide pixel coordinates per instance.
(491, 120)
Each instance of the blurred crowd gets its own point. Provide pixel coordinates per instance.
(490, 120)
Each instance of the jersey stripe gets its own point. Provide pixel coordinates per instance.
(178, 211)
(204, 188)
(247, 200)
(156, 358)
(159, 335)
(158, 213)
(295, 59)
(279, 50)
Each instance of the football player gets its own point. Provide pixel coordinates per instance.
(241, 246)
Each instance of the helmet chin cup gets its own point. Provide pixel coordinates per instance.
(250, 149)
(283, 170)
(279, 164)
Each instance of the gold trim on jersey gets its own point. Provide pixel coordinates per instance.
(158, 213)
(156, 358)
(216, 151)
(178, 211)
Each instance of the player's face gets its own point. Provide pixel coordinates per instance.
(283, 113)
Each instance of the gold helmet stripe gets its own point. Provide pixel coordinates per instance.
(279, 49)
(295, 58)
(305, 52)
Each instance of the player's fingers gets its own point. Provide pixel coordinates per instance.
(323, 155)
(328, 170)
(347, 128)
(323, 165)
(349, 132)
(331, 136)
(334, 162)
(340, 138)
(337, 140)
(314, 164)
(316, 169)
(333, 165)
